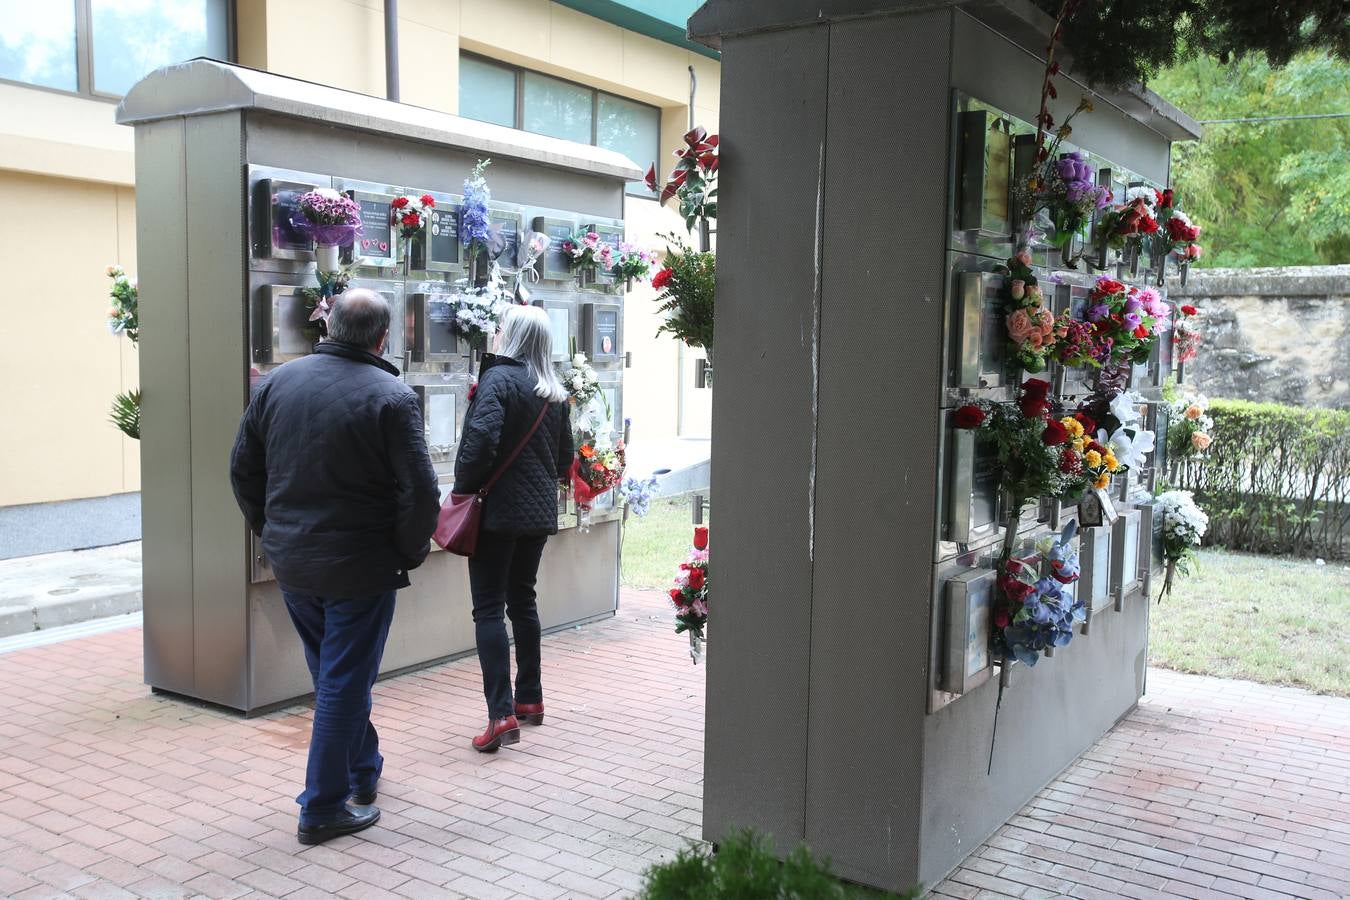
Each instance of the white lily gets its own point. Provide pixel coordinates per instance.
(1125, 409)
(1129, 447)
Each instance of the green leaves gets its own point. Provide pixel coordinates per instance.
(126, 414)
(687, 293)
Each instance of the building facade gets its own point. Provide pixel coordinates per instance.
(620, 75)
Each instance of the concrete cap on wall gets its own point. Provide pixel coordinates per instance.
(204, 86)
(1020, 21)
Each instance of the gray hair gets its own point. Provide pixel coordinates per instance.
(360, 316)
(527, 338)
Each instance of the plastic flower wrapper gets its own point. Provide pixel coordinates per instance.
(1183, 526)
(1035, 612)
(1186, 335)
(535, 245)
(637, 494)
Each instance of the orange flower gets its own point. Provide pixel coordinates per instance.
(587, 451)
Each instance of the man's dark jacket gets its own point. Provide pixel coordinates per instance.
(331, 468)
(504, 406)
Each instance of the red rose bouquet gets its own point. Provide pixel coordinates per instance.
(1129, 223)
(690, 593)
(410, 213)
(1186, 333)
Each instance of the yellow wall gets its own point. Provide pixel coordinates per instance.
(63, 366)
(67, 153)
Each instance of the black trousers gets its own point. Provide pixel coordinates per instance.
(501, 578)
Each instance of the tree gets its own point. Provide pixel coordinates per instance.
(1119, 42)
(1270, 193)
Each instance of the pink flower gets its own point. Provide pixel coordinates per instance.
(1019, 326)
(1024, 257)
(1018, 288)
(591, 239)
(699, 608)
(1201, 441)
(699, 556)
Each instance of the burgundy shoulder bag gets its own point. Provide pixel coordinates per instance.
(461, 514)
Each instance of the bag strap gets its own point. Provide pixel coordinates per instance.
(501, 469)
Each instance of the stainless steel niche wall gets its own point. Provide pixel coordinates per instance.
(223, 154)
(859, 552)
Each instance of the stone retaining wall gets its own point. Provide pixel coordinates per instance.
(1280, 334)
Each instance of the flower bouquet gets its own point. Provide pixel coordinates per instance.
(632, 263)
(1067, 190)
(535, 245)
(1189, 427)
(1077, 344)
(329, 219)
(411, 213)
(1183, 525)
(690, 594)
(1126, 320)
(1083, 459)
(587, 254)
(1126, 226)
(581, 381)
(319, 301)
(686, 284)
(637, 495)
(1186, 336)
(1031, 327)
(596, 469)
(124, 318)
(475, 227)
(1176, 235)
(1034, 613)
(478, 307)
(694, 178)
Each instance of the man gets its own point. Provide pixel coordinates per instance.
(331, 469)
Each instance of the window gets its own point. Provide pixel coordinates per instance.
(102, 47)
(37, 45)
(518, 98)
(487, 92)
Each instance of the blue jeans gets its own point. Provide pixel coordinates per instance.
(344, 641)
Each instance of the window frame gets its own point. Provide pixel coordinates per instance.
(518, 116)
(84, 54)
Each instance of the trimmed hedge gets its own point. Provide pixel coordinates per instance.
(1276, 479)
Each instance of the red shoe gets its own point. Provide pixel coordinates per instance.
(530, 713)
(499, 732)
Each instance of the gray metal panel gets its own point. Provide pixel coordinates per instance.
(877, 459)
(987, 65)
(758, 665)
(216, 308)
(433, 617)
(203, 87)
(166, 492)
(390, 159)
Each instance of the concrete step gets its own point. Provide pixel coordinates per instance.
(58, 589)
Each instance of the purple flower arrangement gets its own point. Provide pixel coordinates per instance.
(1070, 194)
(327, 218)
(474, 228)
(1036, 611)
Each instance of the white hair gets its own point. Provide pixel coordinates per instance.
(528, 338)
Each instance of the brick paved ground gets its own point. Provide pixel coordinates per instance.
(1213, 788)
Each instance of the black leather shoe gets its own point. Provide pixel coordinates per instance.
(348, 822)
(364, 798)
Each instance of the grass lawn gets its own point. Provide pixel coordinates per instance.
(654, 546)
(1267, 619)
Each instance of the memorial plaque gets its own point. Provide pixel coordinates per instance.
(440, 410)
(981, 352)
(439, 249)
(283, 202)
(1094, 578)
(560, 326)
(430, 328)
(972, 511)
(601, 327)
(970, 597)
(553, 265)
(985, 202)
(1124, 556)
(507, 224)
(378, 244)
(281, 327)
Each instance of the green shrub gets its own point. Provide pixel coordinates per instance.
(1275, 480)
(745, 868)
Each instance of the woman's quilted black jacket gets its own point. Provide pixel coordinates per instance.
(504, 406)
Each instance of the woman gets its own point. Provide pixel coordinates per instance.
(520, 512)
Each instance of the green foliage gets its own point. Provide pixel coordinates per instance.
(126, 413)
(1119, 42)
(687, 297)
(124, 313)
(1270, 193)
(1275, 480)
(745, 868)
